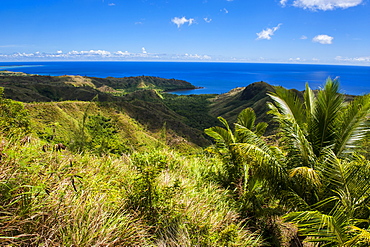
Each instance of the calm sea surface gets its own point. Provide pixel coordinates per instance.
(214, 77)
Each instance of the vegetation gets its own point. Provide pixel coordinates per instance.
(125, 171)
(313, 172)
(31, 88)
(193, 108)
(13, 117)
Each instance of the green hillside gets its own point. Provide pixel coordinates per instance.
(118, 165)
(28, 88)
(229, 105)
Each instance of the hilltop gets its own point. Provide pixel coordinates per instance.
(141, 98)
(36, 88)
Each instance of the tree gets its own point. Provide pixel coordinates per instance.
(314, 170)
(226, 139)
(319, 173)
(313, 129)
(342, 219)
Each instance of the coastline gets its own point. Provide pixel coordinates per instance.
(212, 78)
(180, 90)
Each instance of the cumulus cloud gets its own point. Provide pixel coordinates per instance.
(323, 39)
(353, 59)
(208, 20)
(181, 21)
(90, 53)
(323, 4)
(298, 59)
(267, 33)
(196, 56)
(100, 55)
(283, 2)
(121, 53)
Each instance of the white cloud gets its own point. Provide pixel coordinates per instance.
(181, 21)
(283, 2)
(303, 37)
(73, 52)
(101, 55)
(323, 39)
(111, 4)
(208, 20)
(60, 52)
(196, 56)
(324, 4)
(121, 53)
(267, 33)
(353, 59)
(91, 53)
(298, 59)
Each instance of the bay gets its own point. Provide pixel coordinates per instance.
(214, 78)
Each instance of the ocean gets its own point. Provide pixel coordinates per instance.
(214, 78)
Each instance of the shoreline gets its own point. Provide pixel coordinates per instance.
(216, 78)
(179, 90)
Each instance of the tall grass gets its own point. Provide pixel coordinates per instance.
(149, 196)
(52, 199)
(145, 199)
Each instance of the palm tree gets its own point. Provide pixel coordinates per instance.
(342, 219)
(313, 169)
(313, 128)
(226, 139)
(319, 136)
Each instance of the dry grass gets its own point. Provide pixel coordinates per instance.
(64, 199)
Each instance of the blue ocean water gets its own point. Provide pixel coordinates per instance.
(213, 77)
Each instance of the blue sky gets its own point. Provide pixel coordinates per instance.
(298, 31)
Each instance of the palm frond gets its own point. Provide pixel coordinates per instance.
(289, 103)
(224, 122)
(319, 227)
(307, 175)
(353, 125)
(294, 139)
(361, 236)
(261, 128)
(246, 118)
(322, 129)
(309, 102)
(349, 181)
(293, 200)
(265, 164)
(220, 135)
(248, 136)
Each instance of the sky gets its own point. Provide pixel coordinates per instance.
(282, 31)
